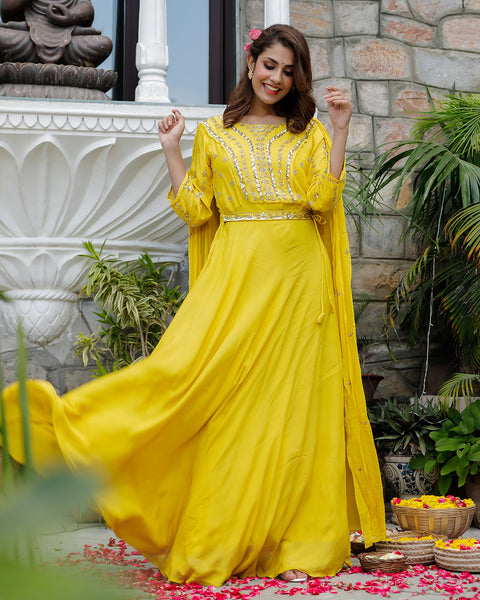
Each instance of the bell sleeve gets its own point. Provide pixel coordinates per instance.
(325, 190)
(195, 204)
(194, 199)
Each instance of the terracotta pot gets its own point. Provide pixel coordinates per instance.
(472, 487)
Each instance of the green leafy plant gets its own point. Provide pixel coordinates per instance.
(29, 503)
(457, 448)
(360, 304)
(405, 428)
(136, 303)
(463, 232)
(360, 207)
(441, 165)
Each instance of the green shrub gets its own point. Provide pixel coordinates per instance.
(136, 303)
(457, 448)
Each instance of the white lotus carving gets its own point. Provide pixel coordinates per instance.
(71, 172)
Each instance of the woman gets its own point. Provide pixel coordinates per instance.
(242, 446)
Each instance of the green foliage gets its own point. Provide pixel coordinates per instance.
(457, 448)
(32, 505)
(460, 385)
(29, 504)
(404, 427)
(54, 583)
(441, 165)
(136, 303)
(361, 208)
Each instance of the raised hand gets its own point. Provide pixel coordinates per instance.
(171, 128)
(339, 107)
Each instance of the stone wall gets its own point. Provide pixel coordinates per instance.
(383, 53)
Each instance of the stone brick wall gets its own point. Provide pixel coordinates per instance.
(383, 53)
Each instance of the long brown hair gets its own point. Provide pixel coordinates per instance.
(298, 106)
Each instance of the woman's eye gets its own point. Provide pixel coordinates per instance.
(288, 73)
(269, 67)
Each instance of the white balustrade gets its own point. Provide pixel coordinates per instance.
(152, 52)
(72, 172)
(276, 11)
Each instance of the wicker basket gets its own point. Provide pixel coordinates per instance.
(358, 547)
(417, 552)
(458, 560)
(451, 522)
(371, 561)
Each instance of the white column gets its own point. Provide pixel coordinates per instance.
(277, 11)
(152, 52)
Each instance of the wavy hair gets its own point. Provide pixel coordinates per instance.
(298, 106)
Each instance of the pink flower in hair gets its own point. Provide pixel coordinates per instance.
(247, 47)
(255, 34)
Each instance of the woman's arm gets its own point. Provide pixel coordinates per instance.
(340, 111)
(170, 131)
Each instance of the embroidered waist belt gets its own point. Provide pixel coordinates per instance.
(267, 215)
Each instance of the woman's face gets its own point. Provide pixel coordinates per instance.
(272, 76)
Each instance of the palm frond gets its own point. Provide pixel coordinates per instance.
(461, 385)
(458, 119)
(464, 228)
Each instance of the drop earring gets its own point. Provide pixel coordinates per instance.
(250, 73)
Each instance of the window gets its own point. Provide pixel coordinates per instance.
(187, 38)
(126, 36)
(222, 50)
(105, 19)
(201, 47)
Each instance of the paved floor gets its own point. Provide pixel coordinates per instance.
(102, 546)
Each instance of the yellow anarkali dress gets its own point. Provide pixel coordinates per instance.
(241, 446)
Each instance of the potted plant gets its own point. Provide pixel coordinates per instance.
(440, 162)
(136, 303)
(456, 453)
(402, 431)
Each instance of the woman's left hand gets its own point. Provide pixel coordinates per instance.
(339, 107)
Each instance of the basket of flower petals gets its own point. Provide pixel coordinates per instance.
(444, 515)
(458, 555)
(417, 546)
(386, 562)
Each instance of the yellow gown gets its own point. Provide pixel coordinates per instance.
(241, 446)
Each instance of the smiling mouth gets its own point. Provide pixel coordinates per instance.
(271, 90)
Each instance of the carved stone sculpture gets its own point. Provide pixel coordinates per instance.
(36, 32)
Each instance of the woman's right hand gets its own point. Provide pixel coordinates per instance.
(170, 129)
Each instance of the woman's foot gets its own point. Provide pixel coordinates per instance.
(294, 576)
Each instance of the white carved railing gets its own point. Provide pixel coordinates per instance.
(152, 52)
(76, 171)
